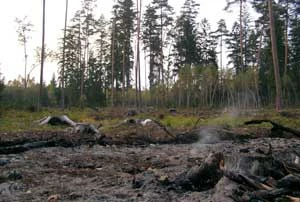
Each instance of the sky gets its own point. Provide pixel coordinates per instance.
(11, 52)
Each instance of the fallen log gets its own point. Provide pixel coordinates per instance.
(55, 142)
(291, 182)
(276, 126)
(268, 194)
(34, 145)
(85, 128)
(244, 180)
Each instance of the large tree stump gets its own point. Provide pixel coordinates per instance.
(202, 177)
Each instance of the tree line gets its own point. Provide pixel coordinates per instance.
(100, 59)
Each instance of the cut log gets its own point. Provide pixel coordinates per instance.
(276, 126)
(203, 177)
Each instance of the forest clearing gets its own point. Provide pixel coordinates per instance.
(150, 100)
(208, 155)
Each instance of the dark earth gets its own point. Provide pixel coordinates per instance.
(131, 165)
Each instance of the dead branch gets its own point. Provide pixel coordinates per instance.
(276, 126)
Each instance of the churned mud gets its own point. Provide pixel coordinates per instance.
(137, 167)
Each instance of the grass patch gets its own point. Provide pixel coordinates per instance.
(21, 120)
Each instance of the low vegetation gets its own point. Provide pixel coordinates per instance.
(24, 120)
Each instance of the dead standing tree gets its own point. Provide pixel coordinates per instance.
(23, 31)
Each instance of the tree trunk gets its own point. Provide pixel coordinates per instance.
(139, 62)
(241, 34)
(63, 65)
(113, 63)
(278, 101)
(123, 71)
(286, 43)
(137, 68)
(25, 57)
(42, 57)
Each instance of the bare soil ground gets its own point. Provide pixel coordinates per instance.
(125, 171)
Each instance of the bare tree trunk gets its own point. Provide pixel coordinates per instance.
(64, 63)
(85, 62)
(286, 53)
(123, 71)
(25, 57)
(258, 65)
(42, 57)
(113, 63)
(145, 63)
(162, 59)
(278, 101)
(137, 68)
(286, 44)
(241, 34)
(139, 62)
(80, 50)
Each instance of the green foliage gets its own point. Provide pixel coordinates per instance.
(2, 86)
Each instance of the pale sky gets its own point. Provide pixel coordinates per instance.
(11, 52)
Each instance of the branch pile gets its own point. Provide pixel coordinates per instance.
(280, 182)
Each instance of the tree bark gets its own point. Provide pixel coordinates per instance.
(42, 57)
(241, 34)
(63, 65)
(278, 100)
(113, 62)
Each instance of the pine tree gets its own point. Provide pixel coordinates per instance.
(221, 34)
(123, 20)
(294, 52)
(151, 41)
(241, 36)
(63, 59)
(103, 57)
(186, 50)
(207, 45)
(164, 22)
(88, 30)
(42, 57)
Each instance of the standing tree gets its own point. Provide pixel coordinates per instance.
(221, 34)
(122, 52)
(24, 29)
(1, 84)
(275, 58)
(138, 95)
(88, 30)
(63, 65)
(151, 41)
(42, 56)
(241, 34)
(295, 52)
(164, 22)
(186, 35)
